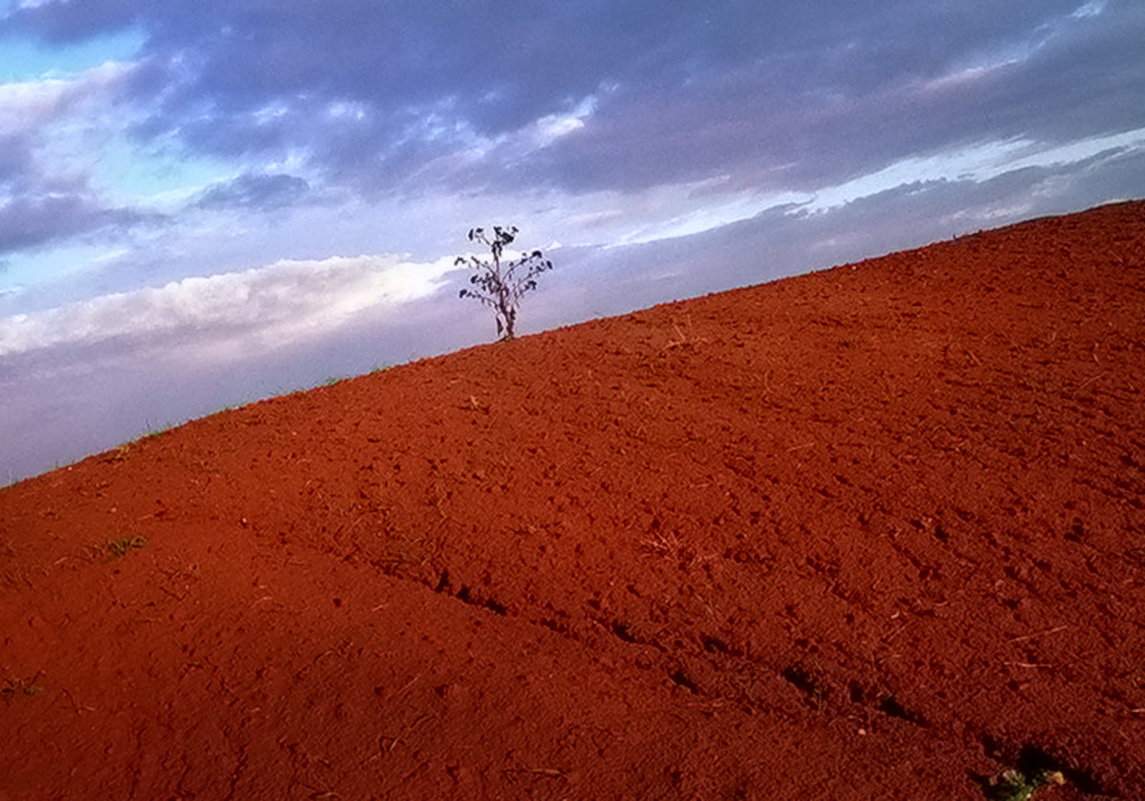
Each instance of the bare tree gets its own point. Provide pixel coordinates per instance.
(500, 285)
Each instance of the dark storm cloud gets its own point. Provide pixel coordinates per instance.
(257, 192)
(798, 95)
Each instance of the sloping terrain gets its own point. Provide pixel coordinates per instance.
(876, 532)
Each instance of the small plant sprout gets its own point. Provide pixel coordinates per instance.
(12, 687)
(1016, 785)
(121, 547)
(500, 285)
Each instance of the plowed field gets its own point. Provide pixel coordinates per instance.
(877, 532)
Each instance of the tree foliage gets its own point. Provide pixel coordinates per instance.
(498, 284)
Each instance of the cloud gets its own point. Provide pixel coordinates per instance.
(31, 221)
(27, 110)
(229, 315)
(804, 121)
(45, 195)
(255, 192)
(29, 104)
(382, 98)
(15, 159)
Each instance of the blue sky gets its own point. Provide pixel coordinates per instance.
(203, 203)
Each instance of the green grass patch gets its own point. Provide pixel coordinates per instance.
(154, 432)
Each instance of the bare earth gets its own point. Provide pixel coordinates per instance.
(872, 533)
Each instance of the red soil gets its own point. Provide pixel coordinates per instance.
(872, 533)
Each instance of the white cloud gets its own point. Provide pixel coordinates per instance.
(977, 163)
(347, 111)
(1091, 9)
(551, 127)
(230, 315)
(26, 105)
(964, 78)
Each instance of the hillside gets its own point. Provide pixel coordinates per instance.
(876, 532)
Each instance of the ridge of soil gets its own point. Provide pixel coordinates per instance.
(876, 532)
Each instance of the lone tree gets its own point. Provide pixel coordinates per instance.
(500, 285)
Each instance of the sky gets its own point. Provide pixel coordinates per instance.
(207, 202)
